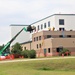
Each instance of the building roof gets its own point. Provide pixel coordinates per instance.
(54, 15)
(25, 42)
(17, 25)
(44, 19)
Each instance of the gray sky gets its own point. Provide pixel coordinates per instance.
(29, 11)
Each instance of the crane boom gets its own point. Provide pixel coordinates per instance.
(8, 44)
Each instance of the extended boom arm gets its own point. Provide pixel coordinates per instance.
(8, 44)
(29, 28)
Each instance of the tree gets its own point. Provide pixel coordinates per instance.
(16, 50)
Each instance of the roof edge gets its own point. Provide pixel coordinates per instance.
(18, 25)
(25, 42)
(51, 16)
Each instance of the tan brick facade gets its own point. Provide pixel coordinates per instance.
(47, 43)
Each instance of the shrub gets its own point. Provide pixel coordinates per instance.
(65, 52)
(16, 50)
(32, 54)
(16, 55)
(25, 53)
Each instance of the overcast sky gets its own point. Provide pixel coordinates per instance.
(28, 11)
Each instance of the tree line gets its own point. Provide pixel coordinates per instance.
(19, 52)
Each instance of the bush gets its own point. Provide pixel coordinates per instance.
(28, 53)
(32, 54)
(25, 53)
(16, 50)
(65, 52)
(16, 55)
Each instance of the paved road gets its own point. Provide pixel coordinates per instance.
(20, 60)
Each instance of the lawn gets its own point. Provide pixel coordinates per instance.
(42, 67)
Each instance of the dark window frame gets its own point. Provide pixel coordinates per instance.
(61, 21)
(38, 27)
(39, 37)
(49, 36)
(61, 29)
(69, 36)
(35, 28)
(61, 36)
(44, 25)
(49, 50)
(24, 48)
(36, 38)
(59, 49)
(37, 46)
(41, 26)
(48, 23)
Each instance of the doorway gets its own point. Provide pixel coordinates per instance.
(59, 49)
(45, 51)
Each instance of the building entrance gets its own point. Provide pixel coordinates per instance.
(45, 51)
(59, 49)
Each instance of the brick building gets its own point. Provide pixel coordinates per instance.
(49, 43)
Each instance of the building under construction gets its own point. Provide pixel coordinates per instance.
(49, 43)
(51, 34)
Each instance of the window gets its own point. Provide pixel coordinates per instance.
(48, 36)
(69, 36)
(41, 26)
(44, 25)
(59, 49)
(39, 37)
(35, 28)
(38, 28)
(61, 29)
(24, 48)
(61, 21)
(37, 46)
(36, 38)
(61, 36)
(48, 50)
(48, 23)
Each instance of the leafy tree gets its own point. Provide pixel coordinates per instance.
(32, 54)
(16, 50)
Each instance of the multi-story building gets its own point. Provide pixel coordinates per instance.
(57, 21)
(51, 34)
(49, 43)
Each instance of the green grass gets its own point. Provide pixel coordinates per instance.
(42, 67)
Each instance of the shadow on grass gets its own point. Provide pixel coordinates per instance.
(52, 69)
(46, 69)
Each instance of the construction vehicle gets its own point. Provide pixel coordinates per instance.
(28, 29)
